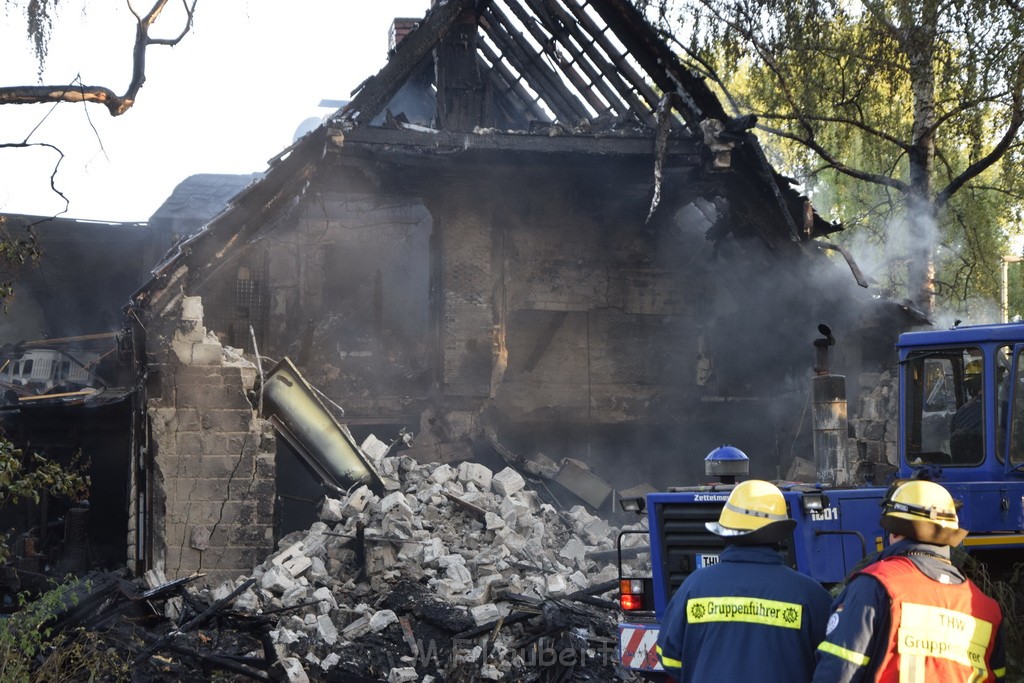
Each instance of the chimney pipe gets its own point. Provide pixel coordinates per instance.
(829, 411)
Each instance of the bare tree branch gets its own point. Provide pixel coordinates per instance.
(856, 123)
(56, 166)
(116, 104)
(996, 153)
(834, 163)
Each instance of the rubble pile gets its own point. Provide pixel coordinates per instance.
(452, 573)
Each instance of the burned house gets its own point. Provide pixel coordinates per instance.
(533, 236)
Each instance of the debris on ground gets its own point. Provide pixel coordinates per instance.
(453, 573)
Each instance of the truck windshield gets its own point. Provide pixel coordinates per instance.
(944, 408)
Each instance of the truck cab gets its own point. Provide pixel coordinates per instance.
(961, 423)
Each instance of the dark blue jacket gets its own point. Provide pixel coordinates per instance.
(747, 618)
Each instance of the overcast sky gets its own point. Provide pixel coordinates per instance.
(229, 97)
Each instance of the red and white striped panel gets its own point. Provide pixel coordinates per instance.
(638, 647)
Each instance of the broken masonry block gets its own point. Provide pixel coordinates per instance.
(485, 614)
(556, 584)
(379, 558)
(284, 636)
(579, 580)
(460, 573)
(277, 580)
(358, 628)
(192, 308)
(154, 578)
(596, 531)
(374, 448)
(433, 549)
(403, 674)
(248, 601)
(442, 474)
(294, 596)
(396, 504)
(382, 619)
(493, 521)
(293, 670)
(476, 473)
(293, 559)
(326, 630)
(206, 353)
(511, 540)
(507, 482)
(331, 510)
(357, 501)
(330, 661)
(573, 550)
(410, 552)
(446, 561)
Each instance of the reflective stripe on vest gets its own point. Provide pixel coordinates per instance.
(749, 610)
(939, 631)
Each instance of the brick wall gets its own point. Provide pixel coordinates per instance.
(214, 470)
(467, 306)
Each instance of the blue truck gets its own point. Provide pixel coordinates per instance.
(970, 375)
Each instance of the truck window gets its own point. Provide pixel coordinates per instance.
(1016, 453)
(944, 408)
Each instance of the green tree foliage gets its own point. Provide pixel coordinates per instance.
(16, 251)
(20, 480)
(901, 117)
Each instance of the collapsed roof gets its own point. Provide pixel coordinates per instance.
(558, 80)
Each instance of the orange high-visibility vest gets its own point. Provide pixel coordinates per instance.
(938, 632)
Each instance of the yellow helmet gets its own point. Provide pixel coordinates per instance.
(754, 513)
(972, 376)
(924, 511)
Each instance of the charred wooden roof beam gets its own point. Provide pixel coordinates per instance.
(513, 85)
(550, 42)
(595, 64)
(617, 62)
(517, 50)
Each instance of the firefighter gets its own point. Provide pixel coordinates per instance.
(748, 617)
(967, 437)
(912, 615)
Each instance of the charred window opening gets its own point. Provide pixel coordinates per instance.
(238, 301)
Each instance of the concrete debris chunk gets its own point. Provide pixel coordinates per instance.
(403, 674)
(395, 504)
(326, 630)
(485, 614)
(476, 474)
(382, 619)
(277, 580)
(358, 628)
(357, 501)
(493, 521)
(507, 482)
(293, 559)
(294, 671)
(374, 448)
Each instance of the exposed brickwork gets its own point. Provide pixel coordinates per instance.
(214, 465)
(876, 421)
(467, 322)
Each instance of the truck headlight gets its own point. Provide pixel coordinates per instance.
(814, 502)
